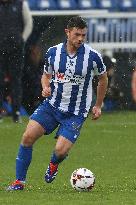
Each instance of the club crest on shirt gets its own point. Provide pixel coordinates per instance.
(71, 62)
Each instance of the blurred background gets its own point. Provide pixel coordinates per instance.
(111, 30)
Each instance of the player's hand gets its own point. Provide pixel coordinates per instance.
(96, 112)
(46, 92)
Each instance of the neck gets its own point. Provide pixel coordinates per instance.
(70, 48)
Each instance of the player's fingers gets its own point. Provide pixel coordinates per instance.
(96, 115)
(45, 94)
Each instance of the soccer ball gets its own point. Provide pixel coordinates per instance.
(82, 179)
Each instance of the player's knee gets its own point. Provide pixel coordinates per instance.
(60, 152)
(27, 139)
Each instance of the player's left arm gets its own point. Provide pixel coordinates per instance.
(101, 91)
(100, 71)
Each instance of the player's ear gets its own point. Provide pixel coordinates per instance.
(67, 31)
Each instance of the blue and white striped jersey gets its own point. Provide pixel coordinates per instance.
(71, 82)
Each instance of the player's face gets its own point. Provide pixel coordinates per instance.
(76, 36)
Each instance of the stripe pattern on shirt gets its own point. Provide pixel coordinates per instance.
(71, 82)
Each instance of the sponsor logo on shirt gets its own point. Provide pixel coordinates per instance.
(73, 79)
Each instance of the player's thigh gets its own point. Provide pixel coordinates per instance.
(63, 145)
(33, 132)
(44, 115)
(70, 127)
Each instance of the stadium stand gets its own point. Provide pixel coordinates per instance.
(112, 30)
(47, 4)
(108, 4)
(127, 5)
(67, 4)
(33, 4)
(87, 4)
(111, 5)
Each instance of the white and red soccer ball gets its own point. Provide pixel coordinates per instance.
(82, 179)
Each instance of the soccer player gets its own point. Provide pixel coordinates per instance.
(67, 88)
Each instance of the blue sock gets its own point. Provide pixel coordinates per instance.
(23, 161)
(56, 160)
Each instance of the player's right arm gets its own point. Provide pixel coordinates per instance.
(46, 77)
(45, 80)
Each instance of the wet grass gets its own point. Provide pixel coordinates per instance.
(107, 147)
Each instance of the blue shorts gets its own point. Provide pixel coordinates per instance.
(50, 118)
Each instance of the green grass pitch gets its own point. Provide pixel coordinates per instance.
(107, 147)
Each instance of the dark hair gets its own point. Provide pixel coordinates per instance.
(77, 22)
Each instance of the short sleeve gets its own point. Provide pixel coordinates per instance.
(47, 64)
(98, 65)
